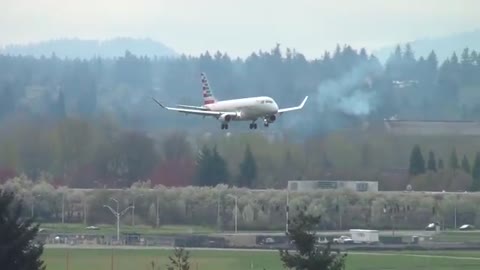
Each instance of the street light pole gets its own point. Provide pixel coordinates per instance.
(218, 213)
(286, 210)
(63, 207)
(118, 214)
(236, 209)
(157, 215)
(133, 212)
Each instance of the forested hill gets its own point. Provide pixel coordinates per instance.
(346, 86)
(92, 122)
(86, 49)
(444, 46)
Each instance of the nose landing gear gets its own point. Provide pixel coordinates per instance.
(265, 122)
(253, 125)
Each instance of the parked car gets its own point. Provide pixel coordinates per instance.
(432, 226)
(322, 240)
(466, 227)
(343, 240)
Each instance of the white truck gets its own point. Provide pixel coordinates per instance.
(364, 236)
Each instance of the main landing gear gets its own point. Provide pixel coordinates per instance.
(253, 125)
(224, 126)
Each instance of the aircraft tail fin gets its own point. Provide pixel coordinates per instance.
(208, 97)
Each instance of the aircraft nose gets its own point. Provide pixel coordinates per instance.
(275, 106)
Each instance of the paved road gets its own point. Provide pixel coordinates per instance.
(386, 233)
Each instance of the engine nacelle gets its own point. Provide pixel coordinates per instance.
(225, 118)
(270, 118)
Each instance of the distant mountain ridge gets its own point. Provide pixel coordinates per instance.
(443, 46)
(86, 49)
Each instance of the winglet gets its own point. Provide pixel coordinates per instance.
(303, 102)
(159, 104)
(299, 107)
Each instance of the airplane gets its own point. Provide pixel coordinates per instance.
(243, 109)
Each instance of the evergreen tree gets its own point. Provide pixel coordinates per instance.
(19, 250)
(453, 160)
(179, 260)
(440, 166)
(204, 166)
(417, 163)
(220, 169)
(60, 106)
(308, 255)
(431, 67)
(248, 169)
(432, 163)
(366, 155)
(466, 164)
(7, 100)
(476, 173)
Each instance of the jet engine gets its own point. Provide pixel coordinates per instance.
(225, 118)
(270, 118)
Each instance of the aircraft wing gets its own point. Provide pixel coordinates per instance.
(194, 111)
(280, 111)
(192, 107)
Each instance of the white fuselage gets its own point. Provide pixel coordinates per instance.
(248, 108)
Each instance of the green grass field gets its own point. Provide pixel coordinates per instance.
(111, 229)
(99, 259)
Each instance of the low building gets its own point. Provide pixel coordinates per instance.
(307, 185)
(432, 127)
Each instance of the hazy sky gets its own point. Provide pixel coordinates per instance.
(239, 26)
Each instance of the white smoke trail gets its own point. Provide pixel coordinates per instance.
(345, 93)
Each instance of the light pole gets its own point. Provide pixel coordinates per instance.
(455, 211)
(218, 212)
(133, 212)
(157, 217)
(63, 207)
(118, 214)
(236, 209)
(287, 209)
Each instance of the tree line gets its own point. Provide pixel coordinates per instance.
(257, 210)
(408, 86)
(419, 167)
(101, 154)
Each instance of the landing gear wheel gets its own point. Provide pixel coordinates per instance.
(253, 125)
(265, 124)
(224, 126)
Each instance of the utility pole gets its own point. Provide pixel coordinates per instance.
(236, 209)
(117, 214)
